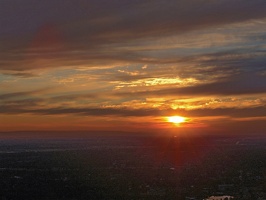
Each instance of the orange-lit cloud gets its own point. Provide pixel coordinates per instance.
(102, 65)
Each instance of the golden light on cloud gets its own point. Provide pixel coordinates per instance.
(176, 119)
(153, 82)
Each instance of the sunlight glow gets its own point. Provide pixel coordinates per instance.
(176, 119)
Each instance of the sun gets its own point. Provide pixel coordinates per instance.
(176, 119)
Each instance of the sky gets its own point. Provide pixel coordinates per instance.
(101, 65)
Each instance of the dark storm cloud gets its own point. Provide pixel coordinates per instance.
(77, 32)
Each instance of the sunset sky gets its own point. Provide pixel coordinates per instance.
(128, 65)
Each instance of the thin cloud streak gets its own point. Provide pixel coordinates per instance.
(258, 111)
(243, 85)
(13, 95)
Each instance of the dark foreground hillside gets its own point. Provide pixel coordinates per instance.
(133, 168)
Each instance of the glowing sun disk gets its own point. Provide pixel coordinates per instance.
(176, 119)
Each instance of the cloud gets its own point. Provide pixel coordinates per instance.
(237, 85)
(229, 112)
(20, 74)
(149, 19)
(14, 95)
(78, 111)
(33, 106)
(63, 33)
